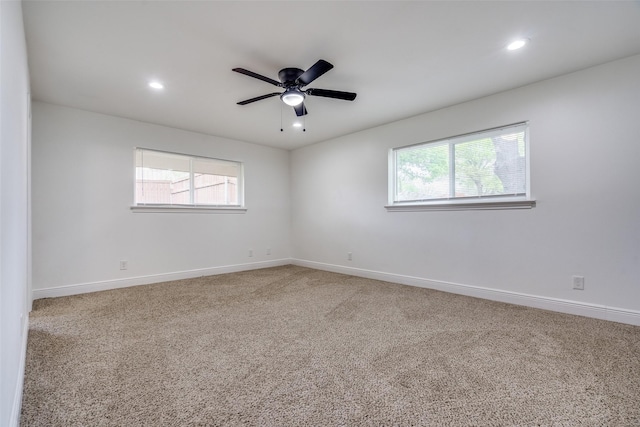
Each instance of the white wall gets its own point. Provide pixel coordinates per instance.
(585, 152)
(14, 208)
(83, 189)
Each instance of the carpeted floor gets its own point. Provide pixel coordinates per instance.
(292, 346)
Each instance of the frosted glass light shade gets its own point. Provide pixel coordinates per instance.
(292, 97)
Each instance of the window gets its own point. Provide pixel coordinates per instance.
(478, 170)
(177, 180)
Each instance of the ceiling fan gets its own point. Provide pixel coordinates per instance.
(293, 80)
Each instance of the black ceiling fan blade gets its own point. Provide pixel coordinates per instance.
(257, 76)
(258, 98)
(347, 96)
(300, 110)
(316, 70)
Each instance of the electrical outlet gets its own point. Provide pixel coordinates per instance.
(578, 283)
(268, 251)
(250, 252)
(349, 256)
(124, 265)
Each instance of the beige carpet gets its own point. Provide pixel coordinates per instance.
(292, 346)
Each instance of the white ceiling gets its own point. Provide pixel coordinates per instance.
(402, 58)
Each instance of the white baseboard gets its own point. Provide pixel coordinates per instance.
(16, 408)
(597, 311)
(83, 288)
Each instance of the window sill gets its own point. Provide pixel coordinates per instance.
(189, 209)
(462, 206)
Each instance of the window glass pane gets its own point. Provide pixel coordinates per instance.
(162, 178)
(215, 182)
(491, 166)
(510, 166)
(474, 169)
(484, 164)
(422, 172)
(165, 178)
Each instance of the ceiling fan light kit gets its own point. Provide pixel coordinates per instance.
(292, 97)
(293, 80)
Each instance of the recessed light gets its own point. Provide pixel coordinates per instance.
(156, 85)
(517, 44)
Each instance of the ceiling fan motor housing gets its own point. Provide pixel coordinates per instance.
(288, 76)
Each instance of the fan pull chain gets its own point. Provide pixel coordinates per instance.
(281, 130)
(304, 123)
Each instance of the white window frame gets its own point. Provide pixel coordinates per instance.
(190, 208)
(467, 203)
